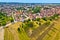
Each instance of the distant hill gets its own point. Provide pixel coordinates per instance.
(29, 3)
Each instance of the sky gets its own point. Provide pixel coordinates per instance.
(32, 1)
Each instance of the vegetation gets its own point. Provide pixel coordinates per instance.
(55, 16)
(45, 18)
(23, 36)
(11, 19)
(4, 19)
(36, 10)
(37, 25)
(21, 8)
(54, 33)
(8, 35)
(38, 21)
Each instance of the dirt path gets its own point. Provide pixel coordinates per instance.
(1, 34)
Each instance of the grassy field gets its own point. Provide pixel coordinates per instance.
(54, 33)
(23, 36)
(8, 35)
(51, 33)
(12, 29)
(47, 33)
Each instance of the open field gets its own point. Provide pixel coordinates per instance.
(44, 32)
(54, 32)
(12, 29)
(23, 36)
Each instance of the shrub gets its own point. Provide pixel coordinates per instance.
(19, 29)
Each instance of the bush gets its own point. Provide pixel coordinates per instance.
(47, 23)
(45, 18)
(19, 29)
(11, 19)
(37, 19)
(55, 16)
(3, 23)
(30, 24)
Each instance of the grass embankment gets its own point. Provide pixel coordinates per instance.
(8, 35)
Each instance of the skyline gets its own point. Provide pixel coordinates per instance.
(32, 1)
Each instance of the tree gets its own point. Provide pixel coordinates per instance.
(27, 20)
(42, 21)
(21, 8)
(45, 18)
(48, 22)
(18, 29)
(3, 23)
(3, 19)
(36, 10)
(30, 24)
(55, 16)
(11, 19)
(37, 19)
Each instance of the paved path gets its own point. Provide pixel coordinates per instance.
(1, 33)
